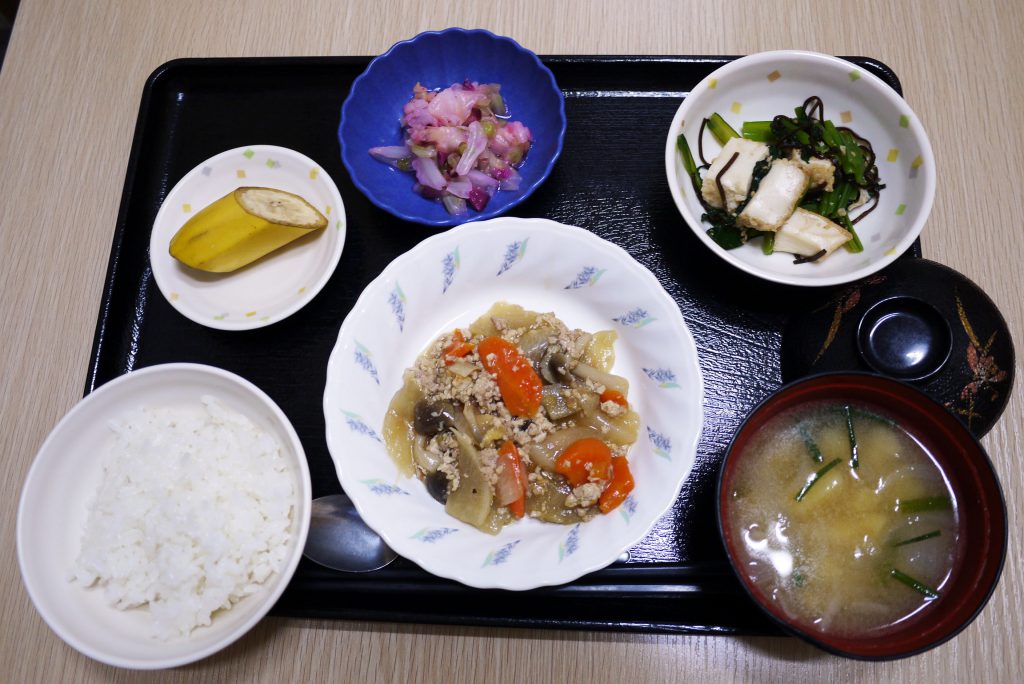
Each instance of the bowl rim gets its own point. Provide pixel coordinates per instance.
(985, 461)
(303, 491)
(826, 61)
(524, 191)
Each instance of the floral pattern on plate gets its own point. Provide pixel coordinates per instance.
(544, 266)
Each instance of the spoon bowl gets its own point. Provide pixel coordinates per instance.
(340, 540)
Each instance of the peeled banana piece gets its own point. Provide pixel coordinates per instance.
(243, 226)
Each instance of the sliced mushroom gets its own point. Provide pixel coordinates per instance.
(427, 460)
(559, 402)
(437, 486)
(433, 417)
(534, 343)
(554, 368)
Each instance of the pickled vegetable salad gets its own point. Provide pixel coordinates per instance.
(516, 417)
(460, 144)
(792, 181)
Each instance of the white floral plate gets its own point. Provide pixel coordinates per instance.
(277, 285)
(448, 280)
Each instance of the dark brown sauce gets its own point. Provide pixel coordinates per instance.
(700, 142)
(718, 179)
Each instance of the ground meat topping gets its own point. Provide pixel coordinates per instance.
(474, 410)
(583, 496)
(612, 408)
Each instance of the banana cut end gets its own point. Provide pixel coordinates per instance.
(280, 207)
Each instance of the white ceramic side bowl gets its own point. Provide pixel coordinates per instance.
(450, 280)
(63, 481)
(273, 287)
(763, 85)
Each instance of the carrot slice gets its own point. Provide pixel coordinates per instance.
(585, 460)
(620, 486)
(519, 384)
(614, 395)
(510, 489)
(457, 348)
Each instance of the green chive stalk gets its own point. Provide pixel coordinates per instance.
(815, 477)
(928, 503)
(722, 131)
(812, 446)
(688, 164)
(758, 131)
(854, 460)
(914, 584)
(919, 538)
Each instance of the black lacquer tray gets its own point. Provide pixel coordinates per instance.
(609, 180)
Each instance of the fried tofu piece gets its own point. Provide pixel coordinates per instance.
(820, 172)
(776, 197)
(735, 181)
(807, 233)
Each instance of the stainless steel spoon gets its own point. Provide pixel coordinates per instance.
(340, 540)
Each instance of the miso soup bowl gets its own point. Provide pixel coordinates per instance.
(983, 528)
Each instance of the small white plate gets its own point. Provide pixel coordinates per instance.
(64, 479)
(275, 286)
(449, 280)
(763, 85)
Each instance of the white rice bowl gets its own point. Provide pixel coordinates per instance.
(230, 550)
(192, 514)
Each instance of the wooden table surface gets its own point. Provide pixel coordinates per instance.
(69, 95)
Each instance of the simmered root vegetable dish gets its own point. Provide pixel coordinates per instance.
(844, 520)
(516, 416)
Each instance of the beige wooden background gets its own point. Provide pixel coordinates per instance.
(69, 94)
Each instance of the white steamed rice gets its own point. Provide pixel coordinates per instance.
(192, 515)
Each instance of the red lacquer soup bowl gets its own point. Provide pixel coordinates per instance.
(982, 526)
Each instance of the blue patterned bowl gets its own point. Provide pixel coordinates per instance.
(437, 59)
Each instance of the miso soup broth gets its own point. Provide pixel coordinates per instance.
(842, 519)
